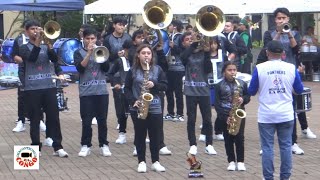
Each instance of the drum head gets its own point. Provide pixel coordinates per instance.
(65, 49)
(166, 42)
(6, 50)
(244, 77)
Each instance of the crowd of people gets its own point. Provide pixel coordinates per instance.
(137, 65)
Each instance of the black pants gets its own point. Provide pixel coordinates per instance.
(161, 141)
(21, 106)
(36, 101)
(175, 87)
(237, 140)
(121, 106)
(218, 125)
(205, 109)
(150, 125)
(90, 107)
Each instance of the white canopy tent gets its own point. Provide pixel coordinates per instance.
(192, 6)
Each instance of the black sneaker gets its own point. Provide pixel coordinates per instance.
(168, 117)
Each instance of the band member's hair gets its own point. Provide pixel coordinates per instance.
(85, 26)
(136, 33)
(282, 10)
(23, 25)
(226, 64)
(89, 31)
(31, 23)
(137, 64)
(189, 26)
(216, 40)
(184, 35)
(178, 24)
(119, 19)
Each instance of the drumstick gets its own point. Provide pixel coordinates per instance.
(56, 77)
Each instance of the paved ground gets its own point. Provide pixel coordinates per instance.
(122, 165)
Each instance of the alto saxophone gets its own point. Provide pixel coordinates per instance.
(145, 97)
(236, 114)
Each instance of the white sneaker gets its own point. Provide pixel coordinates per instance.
(42, 126)
(85, 151)
(200, 126)
(260, 152)
(156, 166)
(48, 142)
(307, 133)
(105, 151)
(121, 139)
(142, 167)
(94, 121)
(165, 151)
(210, 150)
(180, 118)
(193, 150)
(19, 128)
(135, 151)
(147, 140)
(219, 137)
(202, 138)
(241, 166)
(118, 127)
(231, 166)
(61, 153)
(296, 149)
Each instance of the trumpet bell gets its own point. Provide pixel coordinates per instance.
(210, 20)
(286, 27)
(52, 29)
(101, 54)
(157, 14)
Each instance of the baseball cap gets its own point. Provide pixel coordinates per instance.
(244, 22)
(275, 47)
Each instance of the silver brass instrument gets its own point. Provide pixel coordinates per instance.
(52, 30)
(286, 27)
(236, 114)
(100, 54)
(210, 20)
(157, 14)
(146, 97)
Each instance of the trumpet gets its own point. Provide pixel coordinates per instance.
(286, 27)
(100, 54)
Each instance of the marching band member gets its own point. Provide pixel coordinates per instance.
(155, 82)
(39, 88)
(275, 80)
(198, 65)
(118, 74)
(290, 41)
(175, 73)
(22, 39)
(224, 97)
(113, 42)
(94, 96)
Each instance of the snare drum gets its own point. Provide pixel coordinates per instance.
(303, 101)
(65, 47)
(6, 50)
(244, 77)
(9, 81)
